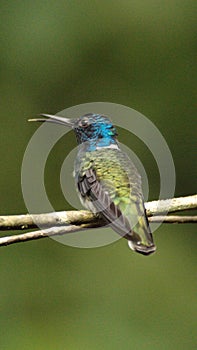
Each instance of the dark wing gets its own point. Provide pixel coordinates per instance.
(92, 189)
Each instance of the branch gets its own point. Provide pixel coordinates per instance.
(64, 222)
(171, 205)
(173, 219)
(29, 221)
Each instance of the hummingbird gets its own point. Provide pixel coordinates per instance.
(107, 181)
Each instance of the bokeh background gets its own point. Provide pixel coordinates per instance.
(58, 54)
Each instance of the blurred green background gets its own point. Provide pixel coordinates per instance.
(58, 54)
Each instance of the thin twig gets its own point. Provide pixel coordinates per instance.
(49, 232)
(171, 205)
(60, 223)
(173, 219)
(62, 230)
(29, 221)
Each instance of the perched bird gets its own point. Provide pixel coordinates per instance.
(107, 181)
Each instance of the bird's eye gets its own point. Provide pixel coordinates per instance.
(84, 122)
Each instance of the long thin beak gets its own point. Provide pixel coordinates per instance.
(54, 119)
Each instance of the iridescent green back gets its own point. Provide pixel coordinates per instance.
(119, 177)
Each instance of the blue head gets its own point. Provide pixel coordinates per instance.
(95, 129)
